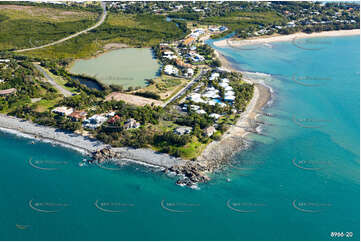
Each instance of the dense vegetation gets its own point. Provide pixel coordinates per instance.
(28, 26)
(245, 19)
(133, 30)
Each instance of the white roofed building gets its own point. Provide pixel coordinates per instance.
(94, 121)
(214, 76)
(170, 70)
(65, 111)
(190, 72)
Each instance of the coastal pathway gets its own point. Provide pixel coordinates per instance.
(101, 20)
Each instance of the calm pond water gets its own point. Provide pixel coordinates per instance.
(127, 67)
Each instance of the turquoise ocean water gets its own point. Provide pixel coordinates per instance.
(298, 181)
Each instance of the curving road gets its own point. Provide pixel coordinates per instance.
(62, 90)
(101, 20)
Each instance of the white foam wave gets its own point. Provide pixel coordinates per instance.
(44, 140)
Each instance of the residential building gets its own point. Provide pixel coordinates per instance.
(113, 119)
(201, 111)
(183, 130)
(189, 41)
(196, 57)
(169, 55)
(170, 70)
(214, 76)
(65, 111)
(229, 98)
(190, 72)
(131, 124)
(209, 131)
(94, 121)
(216, 116)
(78, 115)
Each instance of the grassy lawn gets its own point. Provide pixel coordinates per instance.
(44, 105)
(166, 126)
(166, 86)
(59, 80)
(192, 150)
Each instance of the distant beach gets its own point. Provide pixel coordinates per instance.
(280, 38)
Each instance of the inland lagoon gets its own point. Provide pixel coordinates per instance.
(128, 67)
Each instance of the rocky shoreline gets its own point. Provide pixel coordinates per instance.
(218, 153)
(86, 145)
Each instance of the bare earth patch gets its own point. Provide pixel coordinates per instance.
(132, 99)
(111, 46)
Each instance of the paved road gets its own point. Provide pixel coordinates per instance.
(63, 91)
(101, 20)
(184, 89)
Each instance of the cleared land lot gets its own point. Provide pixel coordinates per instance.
(132, 99)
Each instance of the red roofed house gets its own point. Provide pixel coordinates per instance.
(114, 119)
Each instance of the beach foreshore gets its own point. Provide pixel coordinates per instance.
(281, 38)
(219, 152)
(83, 144)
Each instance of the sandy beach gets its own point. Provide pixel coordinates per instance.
(226, 65)
(232, 141)
(280, 38)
